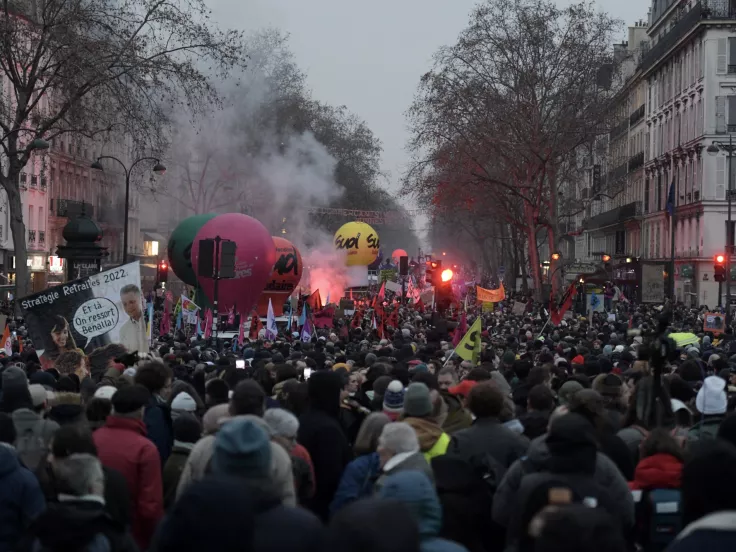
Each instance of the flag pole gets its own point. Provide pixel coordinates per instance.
(544, 327)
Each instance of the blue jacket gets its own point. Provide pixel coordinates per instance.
(159, 427)
(21, 499)
(357, 481)
(416, 491)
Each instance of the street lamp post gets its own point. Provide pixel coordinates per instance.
(730, 149)
(158, 168)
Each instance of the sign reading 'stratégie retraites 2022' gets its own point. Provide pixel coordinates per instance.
(88, 313)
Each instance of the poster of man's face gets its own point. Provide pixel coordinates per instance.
(130, 297)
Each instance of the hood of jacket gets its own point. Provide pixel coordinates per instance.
(8, 460)
(427, 432)
(659, 471)
(25, 419)
(417, 492)
(70, 525)
(324, 392)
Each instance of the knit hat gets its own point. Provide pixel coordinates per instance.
(608, 385)
(711, 399)
(509, 357)
(242, 448)
(463, 388)
(214, 417)
(578, 360)
(14, 377)
(129, 399)
(38, 394)
(105, 392)
(187, 428)
(281, 422)
(567, 390)
(417, 402)
(184, 401)
(393, 399)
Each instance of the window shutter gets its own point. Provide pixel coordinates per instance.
(722, 59)
(720, 177)
(720, 114)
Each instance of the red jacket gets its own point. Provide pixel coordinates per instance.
(123, 446)
(659, 471)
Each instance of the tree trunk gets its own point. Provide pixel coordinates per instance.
(531, 232)
(18, 228)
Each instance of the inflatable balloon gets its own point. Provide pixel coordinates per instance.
(287, 272)
(254, 259)
(398, 253)
(179, 248)
(359, 241)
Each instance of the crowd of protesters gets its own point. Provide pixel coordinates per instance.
(558, 439)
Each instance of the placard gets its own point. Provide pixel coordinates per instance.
(652, 284)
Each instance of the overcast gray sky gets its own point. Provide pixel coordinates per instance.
(369, 55)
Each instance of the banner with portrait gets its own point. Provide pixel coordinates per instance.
(89, 313)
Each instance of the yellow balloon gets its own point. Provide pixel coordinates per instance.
(359, 241)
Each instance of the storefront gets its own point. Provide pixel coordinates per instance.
(685, 284)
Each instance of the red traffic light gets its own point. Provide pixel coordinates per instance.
(163, 265)
(447, 275)
(719, 259)
(433, 264)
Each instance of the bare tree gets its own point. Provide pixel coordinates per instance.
(87, 67)
(510, 102)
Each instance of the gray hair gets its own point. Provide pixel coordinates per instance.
(370, 430)
(281, 423)
(130, 288)
(398, 437)
(80, 474)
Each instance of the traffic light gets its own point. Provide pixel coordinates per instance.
(162, 273)
(606, 258)
(433, 273)
(719, 268)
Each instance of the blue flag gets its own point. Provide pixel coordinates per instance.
(671, 199)
(178, 320)
(303, 315)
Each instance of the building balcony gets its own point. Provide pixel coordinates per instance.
(69, 208)
(614, 216)
(619, 129)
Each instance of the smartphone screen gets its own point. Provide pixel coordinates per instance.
(240, 364)
(307, 373)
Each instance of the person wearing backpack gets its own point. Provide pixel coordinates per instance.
(570, 470)
(656, 491)
(33, 433)
(78, 522)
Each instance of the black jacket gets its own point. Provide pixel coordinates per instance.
(71, 526)
(489, 436)
(320, 433)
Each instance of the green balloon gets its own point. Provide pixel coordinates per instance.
(180, 247)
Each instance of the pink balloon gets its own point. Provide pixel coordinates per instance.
(255, 256)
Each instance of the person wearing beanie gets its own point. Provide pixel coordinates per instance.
(610, 386)
(15, 392)
(572, 464)
(122, 445)
(322, 436)
(283, 427)
(183, 403)
(418, 408)
(393, 400)
(567, 390)
(578, 364)
(712, 403)
(242, 449)
(187, 431)
(34, 432)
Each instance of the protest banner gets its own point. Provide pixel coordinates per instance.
(88, 313)
(519, 308)
(714, 322)
(490, 295)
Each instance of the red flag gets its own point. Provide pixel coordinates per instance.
(460, 331)
(565, 303)
(344, 331)
(378, 299)
(357, 319)
(255, 326)
(207, 324)
(315, 301)
(419, 305)
(393, 319)
(351, 294)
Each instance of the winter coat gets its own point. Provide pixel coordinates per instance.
(715, 533)
(123, 446)
(417, 492)
(659, 471)
(320, 433)
(408, 461)
(198, 464)
(457, 417)
(21, 499)
(33, 435)
(303, 468)
(73, 525)
(535, 424)
(432, 440)
(159, 427)
(633, 436)
(489, 436)
(357, 481)
(705, 430)
(172, 471)
(606, 474)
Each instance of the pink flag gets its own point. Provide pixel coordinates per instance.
(231, 316)
(208, 324)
